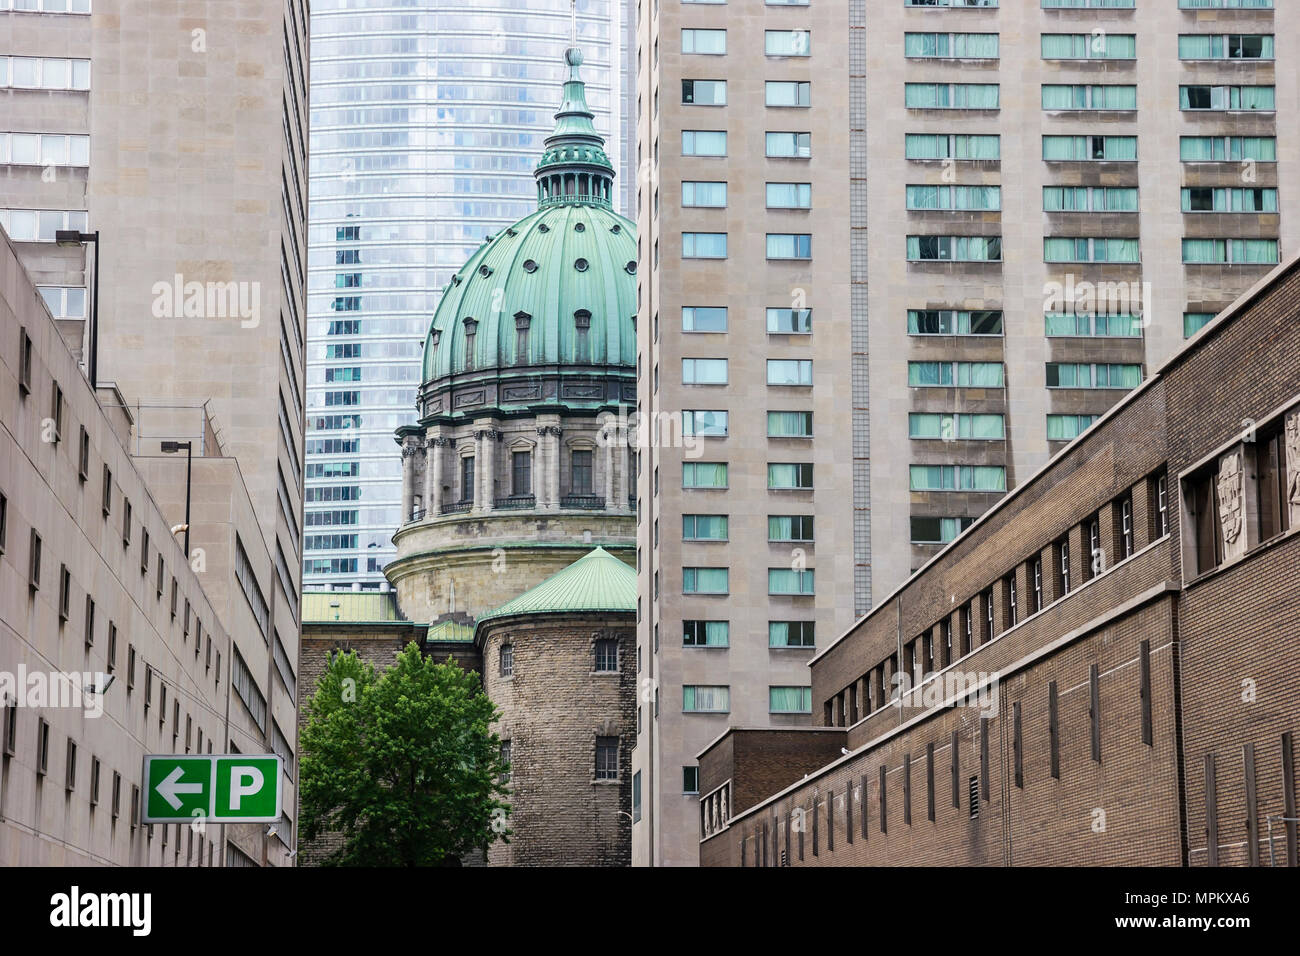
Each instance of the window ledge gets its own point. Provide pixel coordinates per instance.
(1231, 563)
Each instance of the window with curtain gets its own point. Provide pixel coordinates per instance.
(1225, 4)
(710, 194)
(704, 474)
(1116, 324)
(953, 322)
(1085, 375)
(791, 634)
(704, 527)
(704, 371)
(706, 633)
(696, 318)
(1090, 199)
(1083, 148)
(789, 195)
(931, 530)
(1087, 4)
(705, 580)
(950, 427)
(1229, 199)
(787, 93)
(1201, 149)
(957, 478)
(974, 374)
(954, 248)
(1067, 427)
(704, 92)
(704, 41)
(704, 142)
(959, 96)
(1193, 322)
(789, 372)
(789, 700)
(701, 698)
(954, 197)
(956, 146)
(789, 320)
(1090, 250)
(790, 527)
(1229, 251)
(704, 423)
(788, 145)
(1088, 46)
(1080, 97)
(967, 46)
(1227, 98)
(790, 476)
(704, 245)
(789, 245)
(790, 581)
(787, 42)
(789, 424)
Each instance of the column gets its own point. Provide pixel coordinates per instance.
(478, 471)
(408, 480)
(553, 465)
(490, 436)
(608, 457)
(433, 474)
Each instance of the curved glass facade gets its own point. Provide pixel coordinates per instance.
(427, 118)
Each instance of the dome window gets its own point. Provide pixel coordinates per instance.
(580, 265)
(530, 266)
(471, 332)
(579, 227)
(484, 271)
(616, 228)
(631, 267)
(523, 321)
(455, 280)
(543, 227)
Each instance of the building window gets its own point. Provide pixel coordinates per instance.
(1012, 607)
(704, 371)
(789, 476)
(521, 473)
(506, 753)
(790, 528)
(42, 747)
(1070, 249)
(705, 699)
(704, 319)
(1096, 558)
(787, 42)
(987, 600)
(954, 248)
(1059, 149)
(788, 145)
(1230, 251)
(34, 562)
(789, 700)
(705, 580)
(606, 655)
(83, 454)
(938, 530)
(778, 93)
(789, 424)
(958, 478)
(1037, 569)
(1221, 98)
(1162, 506)
(1126, 526)
(931, 146)
(704, 142)
(636, 793)
(706, 633)
(949, 427)
(1062, 96)
(791, 634)
(961, 46)
(951, 96)
(704, 474)
(791, 581)
(783, 245)
(704, 527)
(709, 195)
(65, 593)
(1093, 375)
(581, 472)
(704, 245)
(1068, 427)
(90, 620)
(704, 424)
(704, 92)
(691, 780)
(506, 660)
(606, 758)
(1272, 481)
(56, 411)
(70, 773)
(11, 727)
(711, 42)
(24, 362)
(1063, 567)
(790, 372)
(1089, 46)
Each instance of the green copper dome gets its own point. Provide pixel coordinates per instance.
(558, 288)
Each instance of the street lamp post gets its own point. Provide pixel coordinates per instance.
(74, 237)
(169, 448)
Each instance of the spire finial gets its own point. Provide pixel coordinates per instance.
(573, 23)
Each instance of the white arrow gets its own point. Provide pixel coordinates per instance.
(171, 786)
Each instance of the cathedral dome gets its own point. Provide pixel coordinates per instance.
(557, 289)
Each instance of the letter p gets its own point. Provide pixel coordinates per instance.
(244, 782)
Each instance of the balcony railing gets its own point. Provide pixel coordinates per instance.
(457, 507)
(583, 502)
(516, 502)
(417, 515)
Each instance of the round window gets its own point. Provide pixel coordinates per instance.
(581, 265)
(631, 268)
(530, 265)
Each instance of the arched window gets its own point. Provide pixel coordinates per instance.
(523, 322)
(471, 333)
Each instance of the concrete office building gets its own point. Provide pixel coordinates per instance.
(427, 119)
(887, 270)
(196, 187)
(1100, 671)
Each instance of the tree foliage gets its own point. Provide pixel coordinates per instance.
(403, 764)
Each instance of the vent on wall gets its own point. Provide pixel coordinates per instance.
(974, 797)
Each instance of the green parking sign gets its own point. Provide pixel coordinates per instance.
(226, 788)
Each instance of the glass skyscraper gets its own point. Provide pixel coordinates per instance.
(427, 118)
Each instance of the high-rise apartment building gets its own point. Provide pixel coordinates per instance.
(171, 140)
(427, 120)
(887, 269)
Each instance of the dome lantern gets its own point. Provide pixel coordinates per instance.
(574, 169)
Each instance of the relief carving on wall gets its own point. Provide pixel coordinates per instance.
(1231, 510)
(1293, 465)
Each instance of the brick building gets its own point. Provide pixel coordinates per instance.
(1102, 670)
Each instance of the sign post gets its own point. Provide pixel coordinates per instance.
(224, 788)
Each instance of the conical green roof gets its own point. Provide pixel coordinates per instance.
(597, 581)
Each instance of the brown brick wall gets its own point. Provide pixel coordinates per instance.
(552, 709)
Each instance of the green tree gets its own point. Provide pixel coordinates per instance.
(402, 763)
